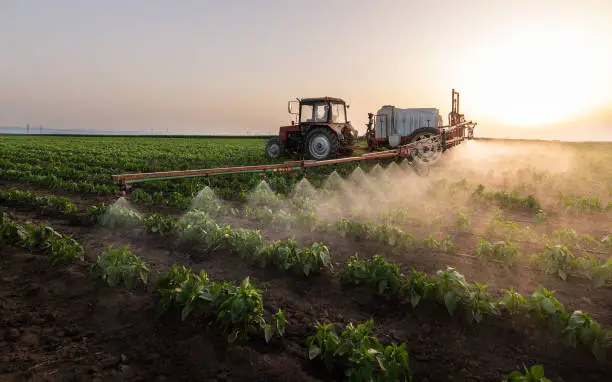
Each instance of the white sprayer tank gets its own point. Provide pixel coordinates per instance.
(394, 123)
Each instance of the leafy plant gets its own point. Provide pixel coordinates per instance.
(239, 310)
(446, 245)
(376, 272)
(543, 304)
(418, 287)
(366, 358)
(450, 287)
(501, 251)
(512, 302)
(557, 259)
(479, 302)
(277, 326)
(41, 238)
(120, 265)
(463, 222)
(115, 216)
(540, 218)
(582, 328)
(534, 374)
(288, 255)
(163, 225)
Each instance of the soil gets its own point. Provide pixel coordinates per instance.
(59, 324)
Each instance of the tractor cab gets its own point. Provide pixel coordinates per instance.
(319, 110)
(320, 129)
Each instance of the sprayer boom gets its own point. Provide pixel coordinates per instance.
(424, 152)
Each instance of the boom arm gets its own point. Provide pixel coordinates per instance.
(404, 151)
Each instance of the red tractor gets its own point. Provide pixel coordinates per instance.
(321, 130)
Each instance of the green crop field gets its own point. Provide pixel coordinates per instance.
(499, 260)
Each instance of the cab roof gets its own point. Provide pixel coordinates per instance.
(321, 99)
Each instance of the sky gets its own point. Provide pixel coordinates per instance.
(230, 66)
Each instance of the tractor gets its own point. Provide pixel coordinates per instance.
(320, 129)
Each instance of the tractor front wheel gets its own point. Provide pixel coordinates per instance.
(322, 143)
(274, 148)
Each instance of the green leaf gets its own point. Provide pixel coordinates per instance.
(269, 332)
(313, 352)
(562, 274)
(537, 371)
(185, 311)
(548, 305)
(382, 285)
(415, 299)
(450, 300)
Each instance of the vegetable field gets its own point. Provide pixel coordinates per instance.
(495, 267)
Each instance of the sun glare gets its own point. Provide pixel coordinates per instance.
(539, 76)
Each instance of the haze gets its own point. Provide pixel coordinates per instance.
(536, 69)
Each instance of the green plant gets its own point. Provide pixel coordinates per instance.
(479, 302)
(418, 287)
(376, 272)
(446, 245)
(95, 212)
(582, 328)
(576, 203)
(534, 374)
(606, 241)
(288, 254)
(540, 218)
(450, 286)
(40, 239)
(501, 251)
(120, 265)
(277, 326)
(115, 216)
(512, 302)
(239, 310)
(163, 225)
(463, 222)
(557, 259)
(543, 304)
(367, 359)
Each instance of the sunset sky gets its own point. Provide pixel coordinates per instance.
(230, 66)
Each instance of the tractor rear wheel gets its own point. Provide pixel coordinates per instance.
(274, 147)
(428, 145)
(322, 143)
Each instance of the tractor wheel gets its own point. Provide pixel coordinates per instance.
(428, 146)
(322, 143)
(274, 148)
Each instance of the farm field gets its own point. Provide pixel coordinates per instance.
(500, 258)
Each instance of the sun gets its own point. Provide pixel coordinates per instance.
(538, 76)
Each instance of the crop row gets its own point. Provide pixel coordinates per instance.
(447, 287)
(450, 289)
(85, 164)
(46, 204)
(555, 258)
(198, 227)
(40, 239)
